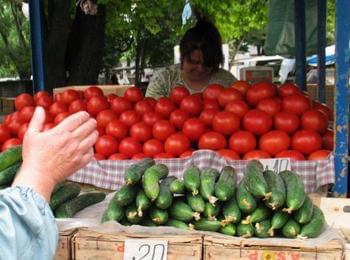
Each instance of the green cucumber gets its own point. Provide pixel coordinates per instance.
(182, 211)
(70, 208)
(162, 170)
(7, 175)
(262, 228)
(165, 197)
(211, 211)
(192, 179)
(295, 190)
(133, 174)
(132, 215)
(291, 229)
(275, 186)
(177, 223)
(226, 184)
(57, 187)
(142, 202)
(207, 184)
(150, 183)
(177, 187)
(255, 180)
(158, 216)
(113, 212)
(304, 214)
(315, 226)
(196, 202)
(148, 223)
(67, 192)
(278, 220)
(125, 196)
(259, 214)
(245, 200)
(245, 230)
(10, 156)
(207, 225)
(229, 229)
(231, 212)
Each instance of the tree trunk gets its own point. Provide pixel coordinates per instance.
(86, 44)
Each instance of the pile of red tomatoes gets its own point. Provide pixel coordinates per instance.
(240, 122)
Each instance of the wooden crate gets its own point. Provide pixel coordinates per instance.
(94, 245)
(107, 89)
(64, 246)
(313, 89)
(218, 248)
(7, 105)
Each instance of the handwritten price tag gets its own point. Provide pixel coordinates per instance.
(144, 249)
(277, 164)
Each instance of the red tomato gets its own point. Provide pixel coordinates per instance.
(210, 104)
(106, 145)
(152, 147)
(58, 97)
(270, 106)
(296, 104)
(117, 157)
(288, 89)
(229, 154)
(48, 117)
(14, 122)
(77, 105)
(164, 107)
(44, 101)
(104, 117)
(163, 156)
(133, 94)
(192, 105)
(328, 140)
(319, 155)
(141, 131)
(130, 146)
(57, 107)
(242, 142)
(324, 108)
(228, 95)
(143, 106)
(257, 122)
(151, 101)
(40, 94)
(178, 93)
(23, 100)
(26, 113)
(121, 104)
(117, 129)
(10, 143)
(286, 121)
(101, 131)
(260, 91)
(139, 156)
(193, 128)
(92, 91)
(22, 130)
(212, 140)
(60, 117)
(226, 123)
(241, 85)
(177, 144)
(274, 142)
(314, 120)
(151, 117)
(162, 130)
(306, 141)
(291, 154)
(110, 97)
(212, 91)
(207, 116)
(48, 126)
(178, 117)
(5, 133)
(69, 95)
(186, 154)
(99, 157)
(256, 155)
(237, 107)
(96, 104)
(129, 117)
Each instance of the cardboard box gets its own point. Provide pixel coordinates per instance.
(313, 89)
(107, 89)
(7, 105)
(94, 245)
(218, 248)
(64, 246)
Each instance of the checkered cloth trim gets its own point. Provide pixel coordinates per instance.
(109, 174)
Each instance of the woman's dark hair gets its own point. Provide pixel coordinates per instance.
(204, 36)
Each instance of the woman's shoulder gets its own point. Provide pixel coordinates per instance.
(223, 77)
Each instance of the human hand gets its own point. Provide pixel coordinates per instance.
(50, 157)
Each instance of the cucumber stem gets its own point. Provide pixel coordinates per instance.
(271, 232)
(194, 192)
(212, 200)
(197, 216)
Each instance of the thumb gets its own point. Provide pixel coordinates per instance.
(37, 121)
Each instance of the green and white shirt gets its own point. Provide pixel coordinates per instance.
(165, 79)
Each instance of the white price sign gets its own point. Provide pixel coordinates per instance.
(277, 164)
(144, 249)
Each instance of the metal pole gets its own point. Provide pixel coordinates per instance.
(300, 45)
(321, 45)
(341, 126)
(37, 45)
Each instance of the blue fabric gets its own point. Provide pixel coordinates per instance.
(186, 13)
(28, 229)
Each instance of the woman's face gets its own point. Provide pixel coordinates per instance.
(193, 66)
